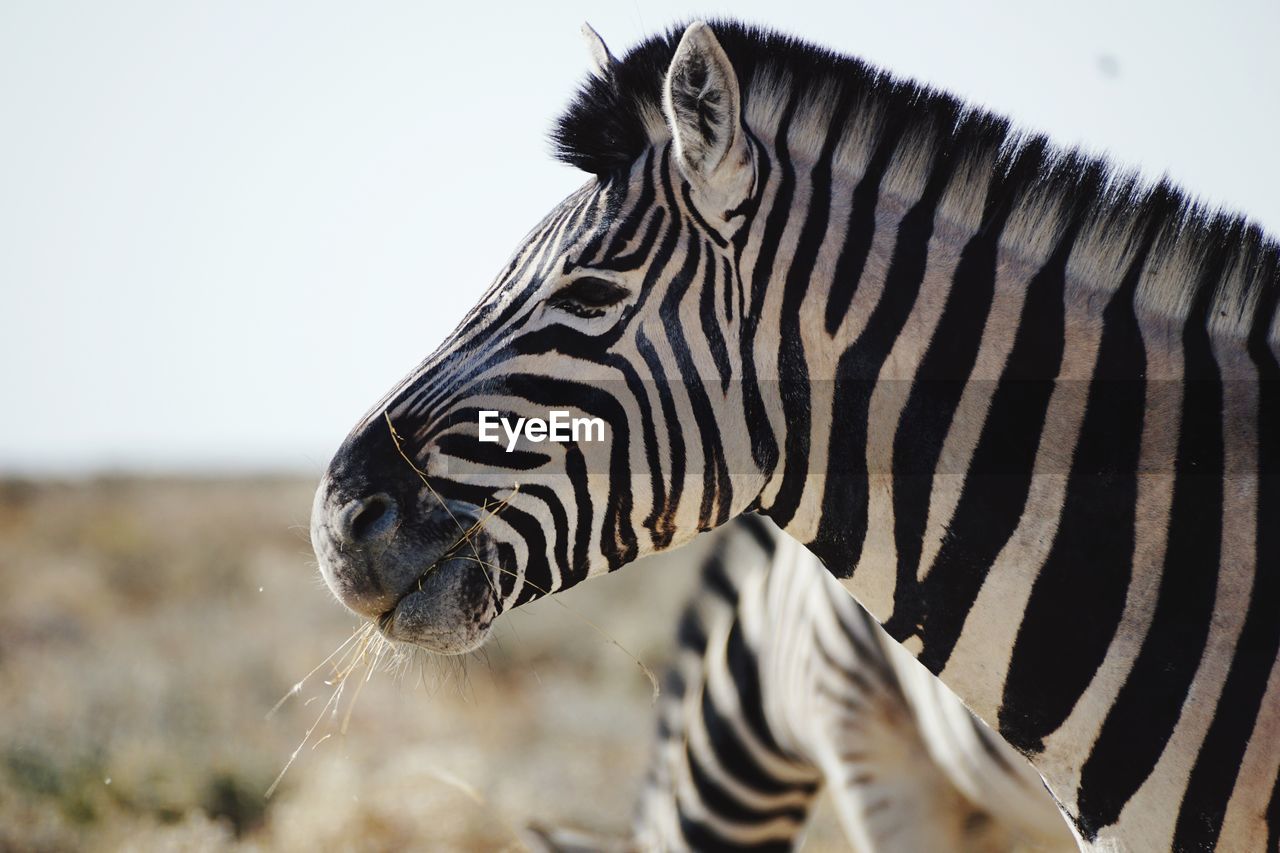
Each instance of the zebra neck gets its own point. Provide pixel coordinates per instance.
(908, 299)
(1017, 438)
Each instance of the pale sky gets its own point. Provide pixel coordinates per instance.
(227, 228)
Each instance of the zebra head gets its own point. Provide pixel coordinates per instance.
(620, 313)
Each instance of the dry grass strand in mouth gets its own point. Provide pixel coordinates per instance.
(297, 687)
(363, 653)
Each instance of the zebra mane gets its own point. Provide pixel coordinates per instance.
(1201, 259)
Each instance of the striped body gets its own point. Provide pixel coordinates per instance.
(783, 683)
(1028, 413)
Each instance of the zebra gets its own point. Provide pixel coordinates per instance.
(1023, 407)
(783, 686)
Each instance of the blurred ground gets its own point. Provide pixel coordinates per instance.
(148, 626)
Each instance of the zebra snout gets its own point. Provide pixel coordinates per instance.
(383, 537)
(392, 559)
(367, 520)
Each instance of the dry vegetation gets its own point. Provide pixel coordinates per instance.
(147, 626)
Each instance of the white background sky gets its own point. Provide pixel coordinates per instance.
(227, 228)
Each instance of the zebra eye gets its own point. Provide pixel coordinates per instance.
(588, 296)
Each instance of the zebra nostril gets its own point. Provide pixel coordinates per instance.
(367, 519)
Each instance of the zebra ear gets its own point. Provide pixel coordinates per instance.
(703, 107)
(602, 60)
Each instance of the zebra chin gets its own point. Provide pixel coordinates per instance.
(449, 611)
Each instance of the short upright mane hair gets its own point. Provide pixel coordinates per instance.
(607, 126)
(617, 116)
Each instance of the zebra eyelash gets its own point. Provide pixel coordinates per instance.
(588, 296)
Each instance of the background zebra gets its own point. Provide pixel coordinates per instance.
(1026, 410)
(782, 686)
